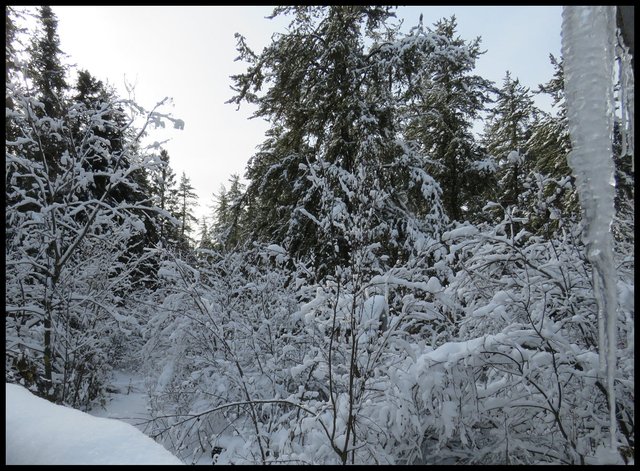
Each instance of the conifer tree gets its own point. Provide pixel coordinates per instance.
(10, 37)
(206, 241)
(164, 191)
(45, 68)
(230, 214)
(220, 212)
(11, 67)
(450, 99)
(186, 199)
(549, 143)
(333, 174)
(47, 80)
(548, 147)
(112, 147)
(93, 95)
(506, 136)
(13, 45)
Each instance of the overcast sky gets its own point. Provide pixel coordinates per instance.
(188, 53)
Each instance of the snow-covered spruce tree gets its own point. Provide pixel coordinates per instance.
(94, 95)
(186, 197)
(205, 241)
(163, 189)
(440, 116)
(535, 186)
(45, 68)
(230, 223)
(68, 245)
(549, 142)
(547, 147)
(505, 137)
(13, 50)
(335, 140)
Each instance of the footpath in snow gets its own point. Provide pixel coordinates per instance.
(128, 401)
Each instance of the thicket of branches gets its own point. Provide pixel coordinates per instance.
(387, 288)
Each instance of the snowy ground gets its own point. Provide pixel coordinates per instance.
(128, 402)
(40, 432)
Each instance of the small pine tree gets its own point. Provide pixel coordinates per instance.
(206, 241)
(164, 191)
(45, 68)
(506, 136)
(186, 201)
(230, 214)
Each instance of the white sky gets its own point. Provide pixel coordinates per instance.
(188, 53)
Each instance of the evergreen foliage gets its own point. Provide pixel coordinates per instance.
(230, 219)
(549, 146)
(385, 289)
(164, 191)
(353, 182)
(46, 69)
(507, 131)
(441, 116)
(186, 198)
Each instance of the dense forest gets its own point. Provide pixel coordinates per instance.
(387, 287)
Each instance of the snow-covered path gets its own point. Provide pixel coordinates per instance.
(128, 402)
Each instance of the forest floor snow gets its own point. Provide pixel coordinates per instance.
(128, 400)
(40, 432)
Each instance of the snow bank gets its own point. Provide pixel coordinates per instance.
(39, 432)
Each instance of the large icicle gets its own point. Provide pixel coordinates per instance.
(588, 50)
(626, 99)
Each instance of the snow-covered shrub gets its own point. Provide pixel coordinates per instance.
(529, 347)
(252, 363)
(223, 335)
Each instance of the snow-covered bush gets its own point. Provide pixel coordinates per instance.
(529, 346)
(222, 335)
(252, 363)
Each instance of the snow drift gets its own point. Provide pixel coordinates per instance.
(40, 432)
